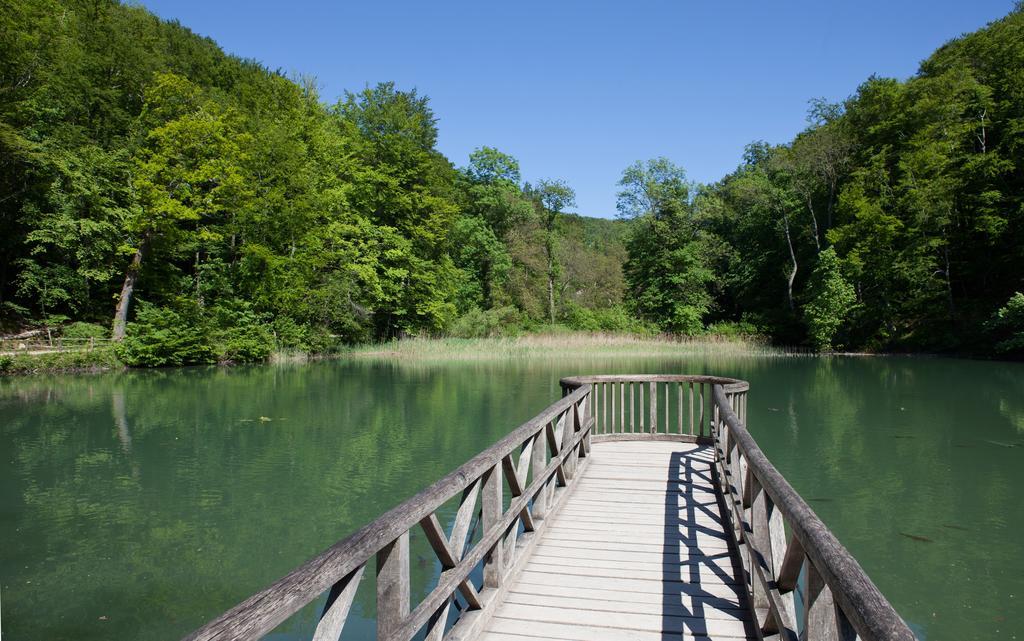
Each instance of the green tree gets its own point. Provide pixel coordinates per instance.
(667, 275)
(189, 179)
(832, 297)
(551, 198)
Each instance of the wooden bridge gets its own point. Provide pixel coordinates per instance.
(636, 507)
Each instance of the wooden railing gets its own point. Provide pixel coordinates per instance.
(653, 407)
(785, 548)
(38, 344)
(538, 462)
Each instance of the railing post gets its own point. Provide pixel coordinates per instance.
(568, 432)
(700, 431)
(622, 406)
(653, 394)
(492, 508)
(585, 415)
(392, 586)
(539, 462)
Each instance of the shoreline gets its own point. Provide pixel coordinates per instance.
(540, 345)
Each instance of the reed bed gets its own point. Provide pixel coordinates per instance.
(557, 345)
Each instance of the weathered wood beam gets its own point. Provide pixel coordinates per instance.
(339, 602)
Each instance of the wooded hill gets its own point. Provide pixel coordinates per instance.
(214, 209)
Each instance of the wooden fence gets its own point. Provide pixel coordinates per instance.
(37, 344)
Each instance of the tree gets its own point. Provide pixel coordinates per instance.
(188, 178)
(832, 297)
(656, 187)
(551, 197)
(667, 278)
(666, 271)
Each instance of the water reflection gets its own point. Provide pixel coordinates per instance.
(139, 505)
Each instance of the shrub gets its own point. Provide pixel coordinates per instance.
(1007, 325)
(833, 298)
(320, 341)
(161, 336)
(288, 334)
(84, 331)
(239, 334)
(477, 323)
(734, 329)
(610, 319)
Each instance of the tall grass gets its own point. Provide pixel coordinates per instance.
(555, 345)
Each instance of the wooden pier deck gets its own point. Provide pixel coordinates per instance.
(640, 551)
(634, 508)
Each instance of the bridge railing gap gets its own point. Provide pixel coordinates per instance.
(503, 498)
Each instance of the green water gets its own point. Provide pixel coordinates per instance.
(139, 505)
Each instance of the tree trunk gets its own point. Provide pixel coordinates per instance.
(814, 223)
(125, 299)
(792, 256)
(551, 289)
(831, 205)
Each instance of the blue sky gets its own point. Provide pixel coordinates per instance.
(579, 90)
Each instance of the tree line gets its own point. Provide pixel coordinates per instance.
(206, 208)
(212, 209)
(894, 221)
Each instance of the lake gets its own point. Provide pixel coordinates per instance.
(138, 505)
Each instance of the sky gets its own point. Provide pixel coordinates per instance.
(580, 90)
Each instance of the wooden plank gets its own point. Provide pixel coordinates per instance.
(634, 555)
(507, 636)
(664, 606)
(694, 623)
(691, 573)
(662, 533)
(644, 517)
(608, 541)
(644, 586)
(623, 500)
(732, 607)
(642, 513)
(666, 565)
(547, 630)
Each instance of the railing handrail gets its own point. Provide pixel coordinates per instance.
(870, 613)
(265, 610)
(732, 384)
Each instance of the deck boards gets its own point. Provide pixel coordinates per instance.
(639, 552)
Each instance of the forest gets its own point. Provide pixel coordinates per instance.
(198, 207)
